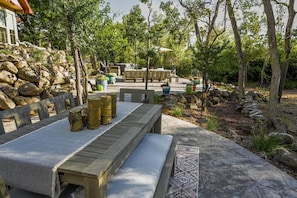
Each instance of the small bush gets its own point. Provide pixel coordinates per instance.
(6, 52)
(291, 85)
(177, 110)
(37, 55)
(212, 123)
(266, 143)
(189, 88)
(157, 99)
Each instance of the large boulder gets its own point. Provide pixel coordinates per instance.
(59, 77)
(6, 102)
(44, 83)
(29, 89)
(10, 58)
(21, 64)
(9, 90)
(7, 77)
(8, 66)
(45, 94)
(28, 74)
(20, 82)
(285, 138)
(285, 157)
(21, 100)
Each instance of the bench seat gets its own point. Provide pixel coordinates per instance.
(142, 174)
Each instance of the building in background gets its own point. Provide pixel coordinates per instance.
(8, 24)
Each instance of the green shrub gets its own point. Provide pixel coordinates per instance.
(157, 99)
(291, 85)
(212, 123)
(6, 51)
(177, 110)
(267, 143)
(37, 55)
(189, 88)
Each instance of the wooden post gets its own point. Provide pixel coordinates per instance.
(75, 120)
(106, 111)
(94, 113)
(113, 104)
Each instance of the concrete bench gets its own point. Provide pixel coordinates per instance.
(21, 116)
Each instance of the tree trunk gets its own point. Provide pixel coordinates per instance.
(77, 77)
(288, 36)
(263, 72)
(85, 77)
(75, 55)
(284, 71)
(242, 69)
(94, 62)
(274, 59)
(148, 46)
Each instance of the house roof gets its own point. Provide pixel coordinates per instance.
(22, 7)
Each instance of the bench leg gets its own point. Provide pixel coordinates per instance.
(3, 190)
(95, 186)
(157, 126)
(173, 167)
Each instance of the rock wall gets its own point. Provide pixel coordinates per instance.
(29, 73)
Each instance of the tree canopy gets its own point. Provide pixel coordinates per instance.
(199, 33)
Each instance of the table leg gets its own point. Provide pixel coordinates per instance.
(95, 187)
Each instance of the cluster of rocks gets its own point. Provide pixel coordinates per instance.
(194, 100)
(29, 74)
(248, 105)
(286, 152)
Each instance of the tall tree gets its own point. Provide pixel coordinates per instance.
(135, 26)
(240, 54)
(287, 44)
(204, 15)
(274, 59)
(149, 5)
(204, 19)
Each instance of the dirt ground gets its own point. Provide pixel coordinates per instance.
(233, 124)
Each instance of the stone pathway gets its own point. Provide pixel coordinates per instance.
(228, 170)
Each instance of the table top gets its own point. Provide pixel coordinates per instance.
(24, 152)
(95, 164)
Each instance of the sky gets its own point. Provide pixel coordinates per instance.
(124, 6)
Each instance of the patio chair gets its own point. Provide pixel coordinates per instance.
(137, 95)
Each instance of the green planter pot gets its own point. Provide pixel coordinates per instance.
(100, 87)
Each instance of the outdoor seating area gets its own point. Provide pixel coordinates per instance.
(136, 75)
(93, 159)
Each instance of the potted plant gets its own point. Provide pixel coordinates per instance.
(102, 82)
(166, 88)
(111, 78)
(189, 88)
